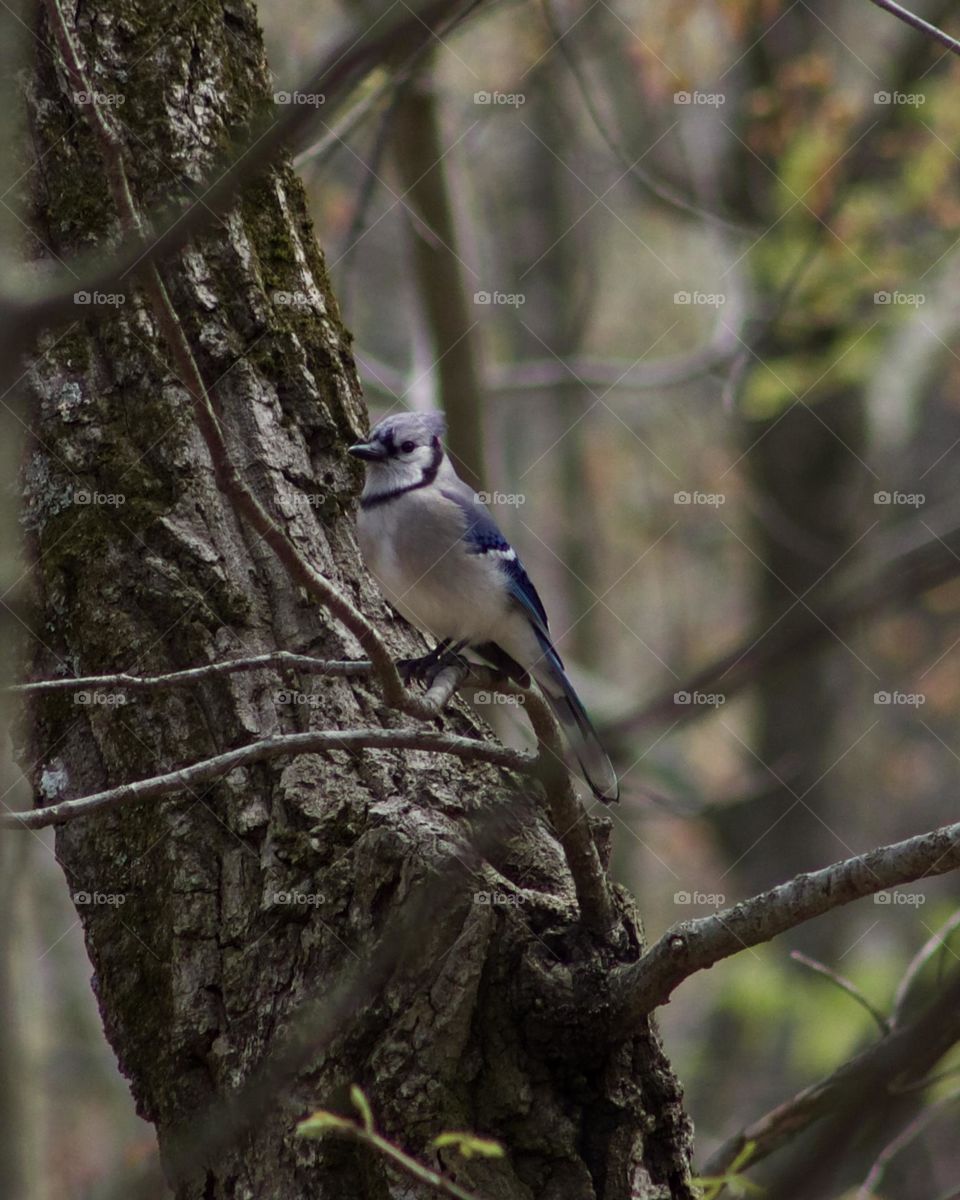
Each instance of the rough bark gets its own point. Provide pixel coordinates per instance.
(203, 966)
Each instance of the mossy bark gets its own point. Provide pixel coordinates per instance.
(200, 957)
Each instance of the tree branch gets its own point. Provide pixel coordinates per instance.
(918, 23)
(474, 675)
(229, 666)
(312, 742)
(694, 946)
(907, 1052)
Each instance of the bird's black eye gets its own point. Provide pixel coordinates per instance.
(408, 447)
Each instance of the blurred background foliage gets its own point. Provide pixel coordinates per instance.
(686, 280)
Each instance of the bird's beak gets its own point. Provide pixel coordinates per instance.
(368, 451)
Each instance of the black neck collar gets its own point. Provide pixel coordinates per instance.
(428, 476)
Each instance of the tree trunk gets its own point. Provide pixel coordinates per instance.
(211, 918)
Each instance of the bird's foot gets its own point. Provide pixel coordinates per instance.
(450, 658)
(423, 669)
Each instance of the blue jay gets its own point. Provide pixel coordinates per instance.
(443, 564)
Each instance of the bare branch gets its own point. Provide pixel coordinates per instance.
(868, 1189)
(918, 23)
(230, 666)
(696, 945)
(568, 816)
(845, 985)
(935, 942)
(312, 742)
(570, 820)
(477, 676)
(878, 1071)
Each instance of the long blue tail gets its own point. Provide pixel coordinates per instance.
(593, 759)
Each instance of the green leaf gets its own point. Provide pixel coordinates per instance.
(468, 1144)
(320, 1122)
(362, 1105)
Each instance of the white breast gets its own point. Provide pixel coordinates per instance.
(412, 546)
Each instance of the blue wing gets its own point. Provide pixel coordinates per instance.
(483, 536)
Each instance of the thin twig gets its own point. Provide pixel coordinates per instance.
(478, 676)
(918, 23)
(845, 985)
(868, 1189)
(935, 942)
(229, 666)
(570, 820)
(311, 742)
(417, 1170)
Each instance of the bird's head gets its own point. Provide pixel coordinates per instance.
(401, 450)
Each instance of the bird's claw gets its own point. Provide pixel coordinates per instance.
(424, 670)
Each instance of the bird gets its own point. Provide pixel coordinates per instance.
(443, 563)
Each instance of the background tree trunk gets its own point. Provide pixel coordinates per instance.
(212, 917)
